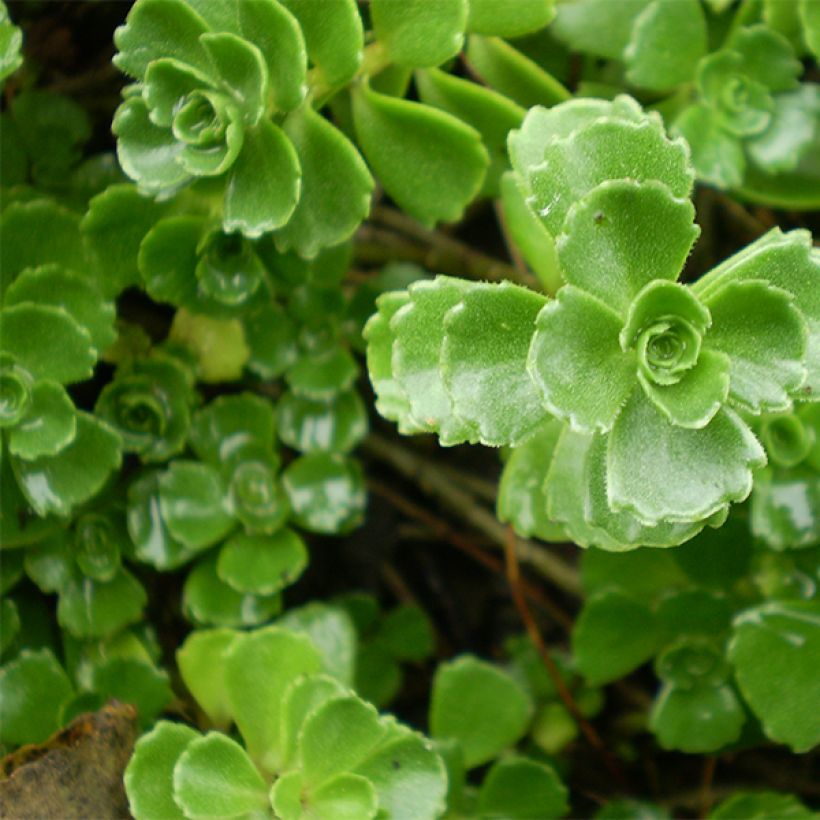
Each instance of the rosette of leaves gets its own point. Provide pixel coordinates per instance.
(658, 42)
(785, 502)
(729, 624)
(11, 44)
(83, 565)
(478, 713)
(751, 109)
(647, 375)
(56, 323)
(149, 404)
(39, 694)
(325, 750)
(220, 94)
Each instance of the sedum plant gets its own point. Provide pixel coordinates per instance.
(676, 367)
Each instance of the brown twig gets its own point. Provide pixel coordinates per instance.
(431, 481)
(706, 780)
(446, 533)
(520, 600)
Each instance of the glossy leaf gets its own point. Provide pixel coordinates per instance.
(309, 425)
(149, 775)
(499, 18)
(214, 777)
(262, 564)
(323, 375)
(479, 705)
(518, 787)
(429, 162)
(48, 425)
(326, 492)
(787, 636)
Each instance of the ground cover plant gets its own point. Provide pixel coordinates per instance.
(410, 409)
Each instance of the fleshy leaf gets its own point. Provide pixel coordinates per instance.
(214, 777)
(429, 162)
(786, 635)
(346, 797)
(333, 34)
(479, 705)
(192, 500)
(201, 661)
(785, 507)
(323, 375)
(264, 183)
(760, 805)
(32, 688)
(516, 787)
(495, 17)
(484, 362)
(56, 484)
(309, 425)
(326, 491)
(335, 185)
(623, 235)
(613, 635)
(262, 564)
(598, 26)
(49, 425)
(577, 335)
(259, 668)
(716, 154)
(149, 775)
(416, 33)
(764, 337)
(418, 330)
(662, 472)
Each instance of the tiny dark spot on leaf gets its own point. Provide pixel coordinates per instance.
(599, 217)
(396, 764)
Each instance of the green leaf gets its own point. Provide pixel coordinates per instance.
(576, 335)
(166, 87)
(264, 183)
(39, 233)
(513, 74)
(810, 18)
(149, 774)
(337, 737)
(134, 681)
(521, 498)
(416, 33)
(479, 705)
(56, 484)
(323, 375)
(699, 720)
(603, 150)
(409, 777)
(193, 504)
(775, 651)
(153, 543)
(717, 155)
(230, 425)
(156, 29)
(47, 342)
(712, 466)
(717, 558)
(501, 19)
(428, 161)
(643, 574)
(613, 635)
(32, 688)
(11, 40)
(99, 541)
(768, 57)
(201, 662)
(259, 668)
(407, 633)
(764, 336)
(94, 609)
(335, 190)
(665, 44)
(271, 336)
(521, 788)
(206, 599)
(307, 425)
(326, 492)
(276, 33)
(623, 235)
(331, 632)
(48, 425)
(785, 507)
(262, 564)
(168, 259)
(760, 805)
(487, 337)
(333, 34)
(214, 777)
(598, 26)
(149, 154)
(242, 70)
(346, 797)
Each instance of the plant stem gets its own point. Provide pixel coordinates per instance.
(430, 480)
(374, 59)
(588, 730)
(707, 778)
